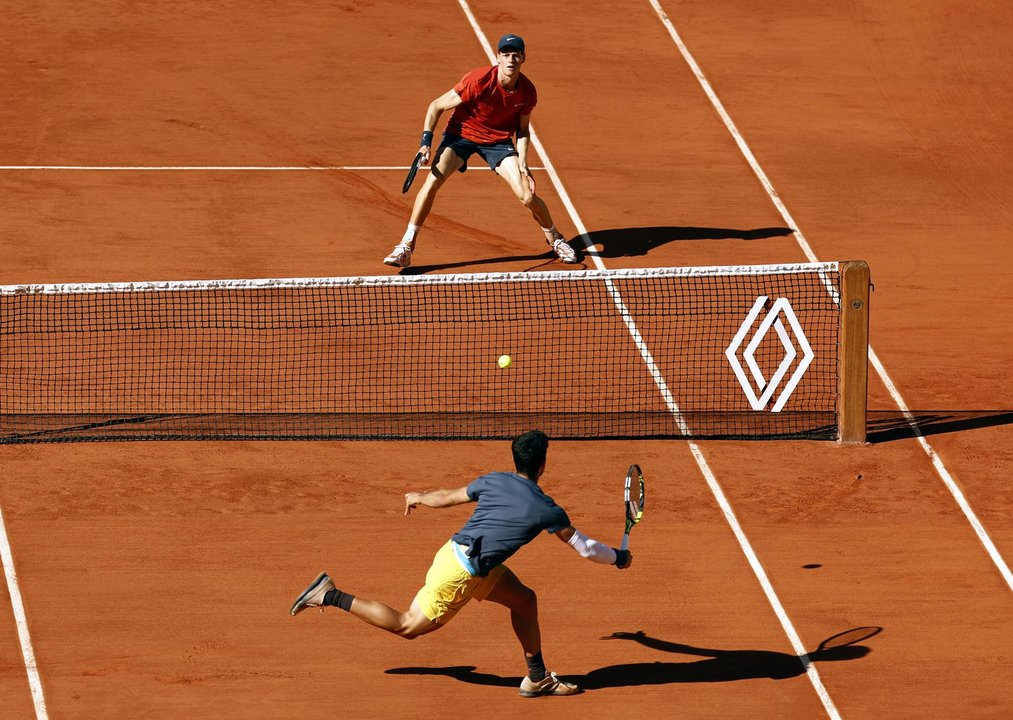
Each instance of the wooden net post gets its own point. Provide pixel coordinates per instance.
(853, 367)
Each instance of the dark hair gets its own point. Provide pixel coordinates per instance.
(529, 452)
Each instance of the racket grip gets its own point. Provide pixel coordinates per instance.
(625, 544)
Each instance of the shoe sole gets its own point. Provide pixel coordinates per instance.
(578, 691)
(551, 692)
(298, 606)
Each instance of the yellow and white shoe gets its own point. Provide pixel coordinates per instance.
(313, 595)
(550, 685)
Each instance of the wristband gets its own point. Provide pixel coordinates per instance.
(622, 557)
(427, 137)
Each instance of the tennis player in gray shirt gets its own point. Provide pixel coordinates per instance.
(511, 511)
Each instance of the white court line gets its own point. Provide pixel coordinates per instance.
(27, 653)
(226, 168)
(701, 461)
(933, 456)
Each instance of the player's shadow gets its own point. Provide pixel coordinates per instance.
(624, 242)
(614, 243)
(888, 425)
(719, 665)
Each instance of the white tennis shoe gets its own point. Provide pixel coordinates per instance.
(563, 251)
(550, 685)
(400, 256)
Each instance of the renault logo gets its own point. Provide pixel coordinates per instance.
(759, 391)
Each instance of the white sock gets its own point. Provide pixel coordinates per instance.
(550, 234)
(410, 234)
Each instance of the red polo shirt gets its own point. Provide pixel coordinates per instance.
(489, 113)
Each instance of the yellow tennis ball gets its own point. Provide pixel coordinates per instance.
(504, 361)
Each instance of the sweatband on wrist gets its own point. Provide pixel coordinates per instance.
(427, 137)
(592, 549)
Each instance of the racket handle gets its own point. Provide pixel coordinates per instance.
(625, 544)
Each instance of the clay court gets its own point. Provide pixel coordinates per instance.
(772, 578)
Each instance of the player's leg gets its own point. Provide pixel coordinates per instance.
(509, 169)
(445, 163)
(321, 593)
(408, 625)
(510, 592)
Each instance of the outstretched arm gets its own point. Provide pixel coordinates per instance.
(436, 499)
(594, 550)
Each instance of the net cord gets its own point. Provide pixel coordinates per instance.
(394, 280)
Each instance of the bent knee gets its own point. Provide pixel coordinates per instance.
(527, 198)
(528, 601)
(434, 181)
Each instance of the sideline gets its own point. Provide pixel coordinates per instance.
(22, 622)
(933, 456)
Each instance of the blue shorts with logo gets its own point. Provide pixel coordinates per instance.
(492, 153)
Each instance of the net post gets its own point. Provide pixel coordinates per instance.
(853, 366)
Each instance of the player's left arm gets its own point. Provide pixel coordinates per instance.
(594, 550)
(436, 499)
(523, 143)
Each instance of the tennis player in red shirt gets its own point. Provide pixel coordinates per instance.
(491, 104)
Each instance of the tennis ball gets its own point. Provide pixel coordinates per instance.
(504, 361)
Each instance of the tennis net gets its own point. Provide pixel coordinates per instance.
(714, 352)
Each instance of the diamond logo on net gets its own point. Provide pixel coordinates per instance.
(760, 390)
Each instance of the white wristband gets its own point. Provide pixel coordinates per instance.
(592, 549)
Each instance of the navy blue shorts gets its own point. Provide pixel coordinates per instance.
(492, 153)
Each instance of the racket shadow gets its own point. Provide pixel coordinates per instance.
(718, 665)
(722, 665)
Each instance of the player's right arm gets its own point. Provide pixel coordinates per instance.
(436, 499)
(594, 550)
(447, 101)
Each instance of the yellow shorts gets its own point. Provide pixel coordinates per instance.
(449, 586)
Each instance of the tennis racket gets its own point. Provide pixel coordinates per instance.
(633, 500)
(411, 173)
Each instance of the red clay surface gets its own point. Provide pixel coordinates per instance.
(157, 576)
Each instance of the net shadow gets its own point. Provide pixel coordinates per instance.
(57, 428)
(891, 425)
